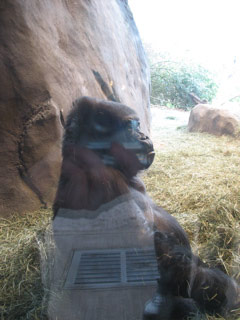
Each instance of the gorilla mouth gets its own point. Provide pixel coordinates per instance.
(144, 152)
(146, 159)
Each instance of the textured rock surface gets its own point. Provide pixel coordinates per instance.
(204, 118)
(51, 52)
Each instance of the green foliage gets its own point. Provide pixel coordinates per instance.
(173, 81)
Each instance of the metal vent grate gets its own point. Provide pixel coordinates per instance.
(96, 268)
(141, 266)
(111, 268)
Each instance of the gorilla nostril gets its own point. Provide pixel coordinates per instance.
(143, 137)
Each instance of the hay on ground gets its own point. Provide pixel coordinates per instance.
(195, 177)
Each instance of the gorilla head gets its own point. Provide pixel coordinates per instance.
(103, 149)
(96, 125)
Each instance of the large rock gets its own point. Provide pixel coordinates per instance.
(217, 121)
(51, 52)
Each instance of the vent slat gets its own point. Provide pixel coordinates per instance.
(101, 260)
(103, 270)
(141, 267)
(84, 276)
(142, 280)
(142, 263)
(140, 253)
(100, 263)
(97, 281)
(142, 259)
(135, 256)
(101, 256)
(98, 276)
(92, 275)
(91, 259)
(92, 263)
(142, 272)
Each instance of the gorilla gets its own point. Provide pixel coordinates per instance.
(103, 150)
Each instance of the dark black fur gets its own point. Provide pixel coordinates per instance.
(98, 166)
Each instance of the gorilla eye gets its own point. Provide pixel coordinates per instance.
(133, 124)
(102, 123)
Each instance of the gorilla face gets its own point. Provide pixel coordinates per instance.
(96, 125)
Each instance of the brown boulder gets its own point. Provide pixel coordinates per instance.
(204, 118)
(52, 52)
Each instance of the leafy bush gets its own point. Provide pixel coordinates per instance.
(174, 81)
